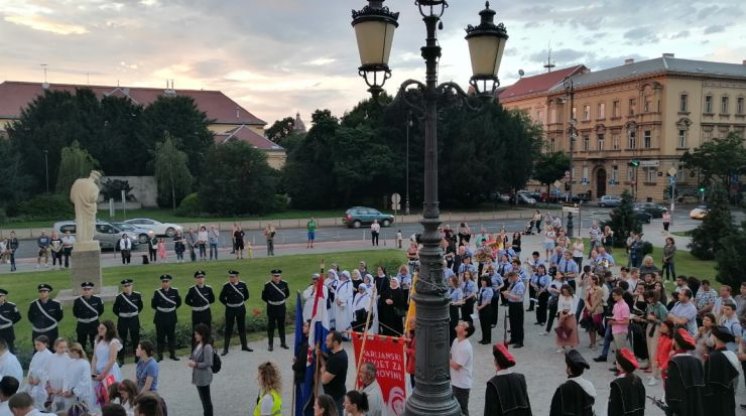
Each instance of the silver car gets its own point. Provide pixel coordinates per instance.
(106, 234)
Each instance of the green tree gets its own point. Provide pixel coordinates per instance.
(731, 257)
(718, 159)
(171, 173)
(280, 130)
(550, 167)
(118, 147)
(75, 163)
(15, 185)
(707, 238)
(623, 220)
(238, 180)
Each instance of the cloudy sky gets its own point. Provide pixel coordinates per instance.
(276, 57)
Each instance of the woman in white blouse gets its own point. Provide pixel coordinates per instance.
(567, 325)
(37, 372)
(77, 385)
(105, 354)
(56, 371)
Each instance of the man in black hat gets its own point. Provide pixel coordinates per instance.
(685, 379)
(127, 308)
(627, 393)
(87, 308)
(721, 375)
(275, 293)
(577, 395)
(165, 302)
(9, 315)
(234, 295)
(200, 297)
(507, 394)
(44, 314)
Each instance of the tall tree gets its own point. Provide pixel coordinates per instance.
(171, 173)
(119, 147)
(731, 257)
(550, 167)
(718, 159)
(15, 184)
(280, 130)
(238, 180)
(623, 220)
(75, 163)
(707, 238)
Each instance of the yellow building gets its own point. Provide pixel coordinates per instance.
(230, 121)
(651, 111)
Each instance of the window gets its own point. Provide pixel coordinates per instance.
(632, 106)
(615, 141)
(648, 105)
(724, 105)
(630, 174)
(682, 139)
(739, 105)
(615, 108)
(615, 174)
(601, 111)
(631, 140)
(647, 139)
(600, 142)
(586, 112)
(586, 143)
(553, 115)
(651, 175)
(684, 103)
(585, 174)
(708, 104)
(574, 113)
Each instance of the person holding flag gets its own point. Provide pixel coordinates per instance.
(318, 329)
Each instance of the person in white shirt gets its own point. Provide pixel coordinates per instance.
(37, 372)
(8, 387)
(9, 364)
(461, 363)
(21, 404)
(77, 386)
(371, 388)
(55, 370)
(343, 302)
(375, 231)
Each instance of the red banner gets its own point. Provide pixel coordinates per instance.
(387, 354)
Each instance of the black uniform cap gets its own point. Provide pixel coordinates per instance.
(165, 277)
(127, 282)
(44, 286)
(723, 334)
(87, 285)
(276, 271)
(199, 273)
(232, 273)
(3, 292)
(574, 360)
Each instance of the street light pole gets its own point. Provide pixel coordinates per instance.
(570, 90)
(406, 198)
(374, 28)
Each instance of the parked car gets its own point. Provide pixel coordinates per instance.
(159, 228)
(106, 234)
(525, 198)
(643, 216)
(699, 213)
(357, 216)
(656, 210)
(141, 234)
(610, 201)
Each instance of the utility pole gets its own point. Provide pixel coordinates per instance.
(570, 90)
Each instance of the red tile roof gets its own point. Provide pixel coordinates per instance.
(246, 134)
(538, 84)
(15, 96)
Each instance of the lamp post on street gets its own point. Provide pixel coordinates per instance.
(571, 131)
(374, 28)
(406, 197)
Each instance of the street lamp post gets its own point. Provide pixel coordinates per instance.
(570, 90)
(406, 198)
(374, 28)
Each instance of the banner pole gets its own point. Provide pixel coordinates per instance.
(365, 336)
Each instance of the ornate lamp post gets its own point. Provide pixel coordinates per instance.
(571, 132)
(374, 27)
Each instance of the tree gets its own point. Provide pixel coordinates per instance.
(707, 239)
(15, 185)
(718, 159)
(731, 257)
(623, 220)
(74, 163)
(280, 129)
(550, 167)
(238, 180)
(171, 173)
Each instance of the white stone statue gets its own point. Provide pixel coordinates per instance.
(84, 195)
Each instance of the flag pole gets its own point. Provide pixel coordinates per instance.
(365, 336)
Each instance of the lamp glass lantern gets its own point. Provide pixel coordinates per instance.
(486, 47)
(374, 28)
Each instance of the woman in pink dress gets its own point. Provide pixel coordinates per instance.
(567, 327)
(161, 249)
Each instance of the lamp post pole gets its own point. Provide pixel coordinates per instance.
(570, 90)
(406, 198)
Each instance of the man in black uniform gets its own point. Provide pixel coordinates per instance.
(165, 301)
(507, 394)
(275, 293)
(86, 309)
(200, 297)
(685, 380)
(626, 392)
(233, 295)
(44, 314)
(127, 308)
(8, 317)
(577, 395)
(721, 375)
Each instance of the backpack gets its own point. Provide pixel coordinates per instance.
(216, 363)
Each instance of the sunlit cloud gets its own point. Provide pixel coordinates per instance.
(46, 25)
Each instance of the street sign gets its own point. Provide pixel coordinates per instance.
(396, 207)
(672, 172)
(557, 184)
(395, 199)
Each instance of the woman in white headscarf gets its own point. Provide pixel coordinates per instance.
(331, 282)
(343, 302)
(361, 305)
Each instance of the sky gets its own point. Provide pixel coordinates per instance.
(279, 57)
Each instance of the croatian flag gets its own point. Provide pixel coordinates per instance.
(318, 330)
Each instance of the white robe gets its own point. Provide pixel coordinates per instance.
(78, 381)
(10, 366)
(38, 370)
(308, 298)
(56, 370)
(342, 305)
(331, 283)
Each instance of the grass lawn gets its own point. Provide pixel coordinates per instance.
(297, 271)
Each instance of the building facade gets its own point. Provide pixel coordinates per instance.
(635, 121)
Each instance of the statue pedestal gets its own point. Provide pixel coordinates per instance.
(86, 267)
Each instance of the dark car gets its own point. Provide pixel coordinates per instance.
(656, 210)
(642, 216)
(357, 216)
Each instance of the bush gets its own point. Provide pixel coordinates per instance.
(190, 206)
(717, 224)
(731, 257)
(45, 206)
(623, 221)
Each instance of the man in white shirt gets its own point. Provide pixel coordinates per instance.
(376, 404)
(8, 387)
(9, 364)
(21, 404)
(462, 357)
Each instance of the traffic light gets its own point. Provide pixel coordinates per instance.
(633, 163)
(701, 189)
